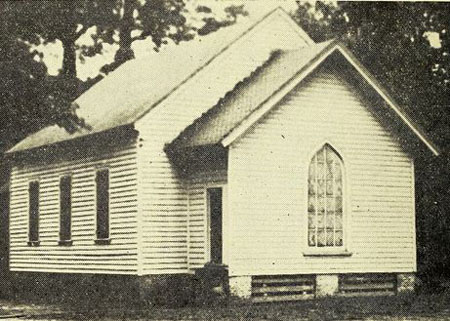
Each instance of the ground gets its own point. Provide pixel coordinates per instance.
(413, 307)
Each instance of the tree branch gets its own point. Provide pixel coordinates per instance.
(140, 37)
(81, 32)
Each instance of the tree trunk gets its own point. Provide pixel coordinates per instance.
(69, 67)
(125, 53)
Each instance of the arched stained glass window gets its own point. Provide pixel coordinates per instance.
(325, 213)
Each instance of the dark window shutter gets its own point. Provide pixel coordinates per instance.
(33, 232)
(65, 187)
(102, 182)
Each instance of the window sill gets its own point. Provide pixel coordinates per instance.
(65, 242)
(102, 241)
(33, 243)
(327, 253)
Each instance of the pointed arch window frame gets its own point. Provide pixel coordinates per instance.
(328, 250)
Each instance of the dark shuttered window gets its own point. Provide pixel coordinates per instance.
(33, 226)
(65, 189)
(102, 182)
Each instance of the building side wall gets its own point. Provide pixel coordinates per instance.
(163, 194)
(84, 256)
(267, 184)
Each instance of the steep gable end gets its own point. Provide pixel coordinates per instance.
(236, 61)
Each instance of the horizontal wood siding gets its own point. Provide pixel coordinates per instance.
(84, 256)
(163, 212)
(267, 184)
(163, 194)
(197, 185)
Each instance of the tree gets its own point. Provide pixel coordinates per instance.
(390, 39)
(47, 21)
(29, 97)
(160, 20)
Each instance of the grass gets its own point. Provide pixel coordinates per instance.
(435, 306)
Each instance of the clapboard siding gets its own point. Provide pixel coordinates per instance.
(163, 193)
(84, 256)
(197, 184)
(267, 182)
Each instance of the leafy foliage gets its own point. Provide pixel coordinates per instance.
(30, 98)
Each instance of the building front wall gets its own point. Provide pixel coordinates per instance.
(83, 256)
(267, 187)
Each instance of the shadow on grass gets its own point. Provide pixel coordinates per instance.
(336, 308)
(118, 298)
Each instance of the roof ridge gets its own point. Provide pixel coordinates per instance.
(216, 55)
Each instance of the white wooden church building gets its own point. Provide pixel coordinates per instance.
(255, 148)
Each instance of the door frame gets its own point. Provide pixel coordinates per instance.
(225, 222)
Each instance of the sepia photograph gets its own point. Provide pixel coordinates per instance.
(224, 160)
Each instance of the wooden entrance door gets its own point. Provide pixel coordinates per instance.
(215, 210)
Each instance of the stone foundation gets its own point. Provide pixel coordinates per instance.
(406, 282)
(176, 290)
(241, 286)
(327, 285)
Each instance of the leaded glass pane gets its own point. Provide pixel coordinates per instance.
(312, 205)
(338, 224)
(312, 222)
(330, 237)
(319, 155)
(330, 220)
(338, 204)
(330, 204)
(338, 238)
(320, 219)
(321, 204)
(330, 187)
(330, 171)
(337, 174)
(312, 188)
(321, 237)
(312, 237)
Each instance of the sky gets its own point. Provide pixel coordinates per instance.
(52, 53)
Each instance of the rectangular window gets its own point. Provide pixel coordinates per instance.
(65, 199)
(33, 226)
(102, 183)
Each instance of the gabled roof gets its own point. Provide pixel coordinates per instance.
(256, 95)
(137, 86)
(134, 89)
(247, 96)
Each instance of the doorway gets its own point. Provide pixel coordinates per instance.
(215, 224)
